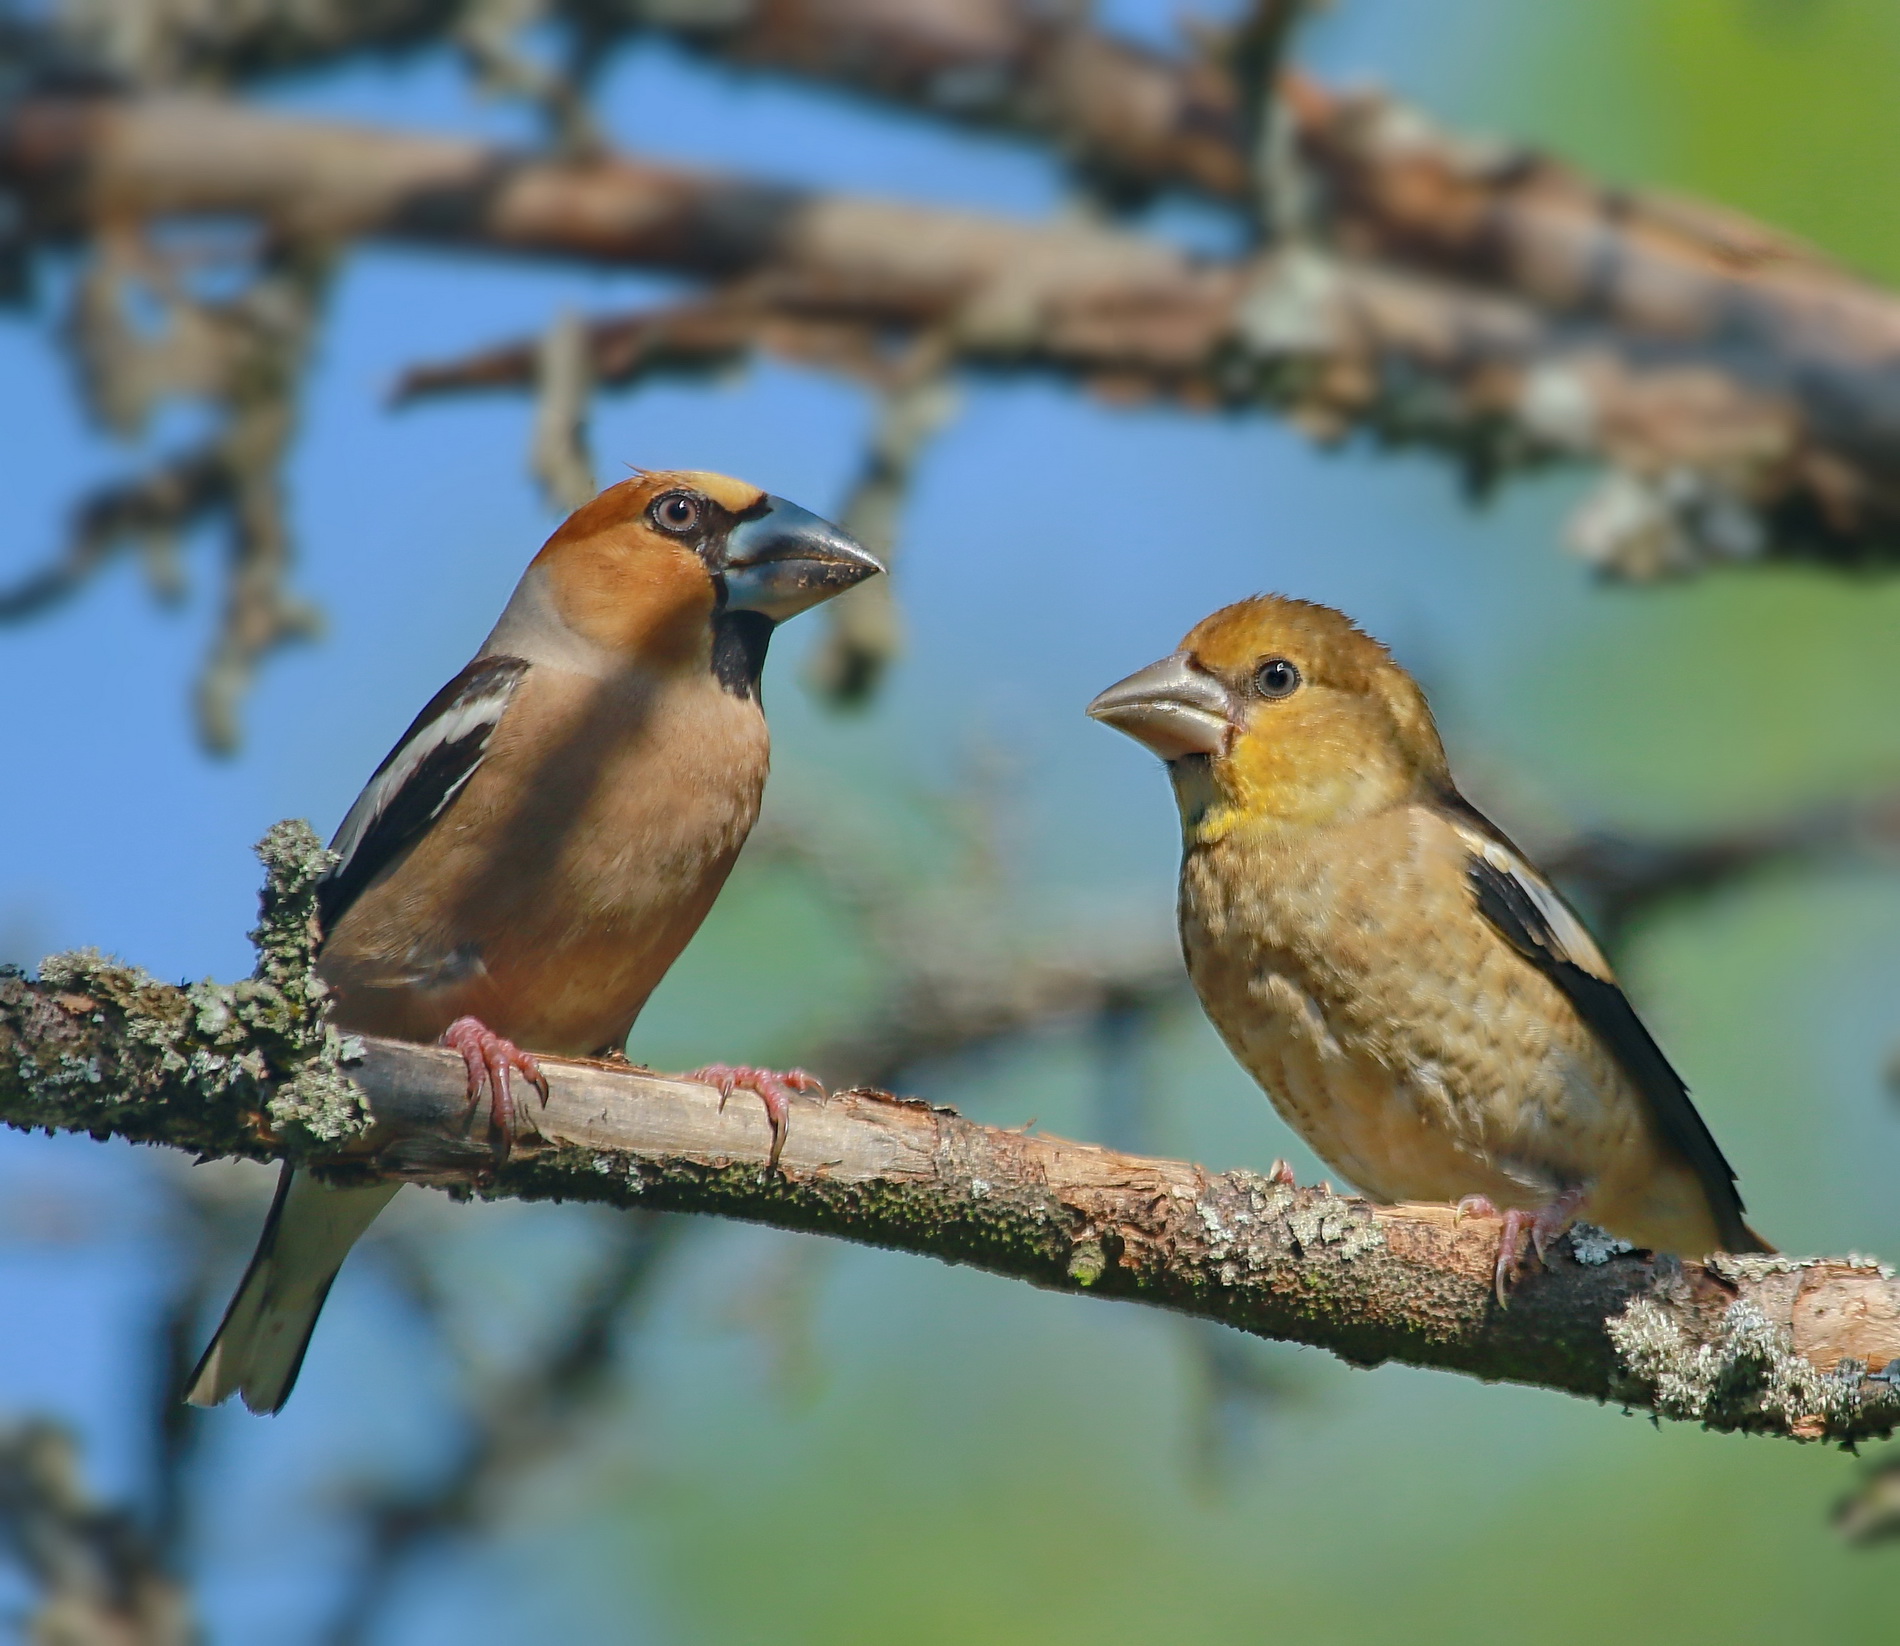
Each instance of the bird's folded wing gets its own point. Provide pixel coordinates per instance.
(414, 785)
(1528, 913)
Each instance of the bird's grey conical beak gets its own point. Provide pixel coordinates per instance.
(1172, 706)
(785, 558)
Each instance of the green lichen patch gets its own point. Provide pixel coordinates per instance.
(99, 1045)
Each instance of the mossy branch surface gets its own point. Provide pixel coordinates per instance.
(252, 1068)
(1804, 1348)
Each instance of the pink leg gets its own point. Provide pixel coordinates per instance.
(1543, 1226)
(1282, 1174)
(491, 1060)
(775, 1088)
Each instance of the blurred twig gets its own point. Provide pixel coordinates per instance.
(558, 452)
(1283, 196)
(863, 632)
(1618, 876)
(243, 357)
(507, 1428)
(100, 1582)
(955, 977)
(1870, 1512)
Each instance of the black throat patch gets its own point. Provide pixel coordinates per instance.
(739, 640)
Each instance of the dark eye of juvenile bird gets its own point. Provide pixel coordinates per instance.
(1276, 678)
(676, 512)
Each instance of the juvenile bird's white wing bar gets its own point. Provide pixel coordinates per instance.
(1578, 946)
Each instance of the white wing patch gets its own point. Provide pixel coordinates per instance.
(476, 714)
(1574, 939)
(422, 775)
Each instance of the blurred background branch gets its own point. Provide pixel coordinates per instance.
(1478, 298)
(99, 1581)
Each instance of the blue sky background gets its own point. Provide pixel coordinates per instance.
(974, 1461)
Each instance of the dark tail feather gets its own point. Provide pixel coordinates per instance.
(260, 1345)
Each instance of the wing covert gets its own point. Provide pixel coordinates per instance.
(418, 779)
(1528, 913)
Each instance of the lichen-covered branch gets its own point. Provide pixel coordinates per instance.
(1808, 1348)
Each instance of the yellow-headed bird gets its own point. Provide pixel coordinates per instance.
(1418, 1002)
(541, 843)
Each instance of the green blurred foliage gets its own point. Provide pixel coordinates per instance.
(1786, 109)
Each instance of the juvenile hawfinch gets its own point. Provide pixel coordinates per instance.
(1417, 1001)
(545, 838)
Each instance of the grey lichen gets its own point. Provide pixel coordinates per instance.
(267, 1038)
(1749, 1377)
(1756, 1266)
(1594, 1246)
(1310, 1221)
(1327, 1220)
(285, 998)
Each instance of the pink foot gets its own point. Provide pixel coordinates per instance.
(1543, 1226)
(1282, 1174)
(490, 1061)
(775, 1088)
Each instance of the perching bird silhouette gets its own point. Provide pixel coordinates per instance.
(546, 837)
(1419, 1003)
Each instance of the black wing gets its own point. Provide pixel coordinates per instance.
(1545, 930)
(414, 785)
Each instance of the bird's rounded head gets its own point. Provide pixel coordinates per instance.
(1280, 711)
(645, 569)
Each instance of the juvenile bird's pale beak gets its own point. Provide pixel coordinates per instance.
(1172, 706)
(786, 558)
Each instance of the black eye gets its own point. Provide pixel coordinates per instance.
(1276, 678)
(676, 512)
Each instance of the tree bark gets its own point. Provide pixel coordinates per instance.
(1743, 387)
(1768, 1344)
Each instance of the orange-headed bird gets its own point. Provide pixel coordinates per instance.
(545, 838)
(1417, 1001)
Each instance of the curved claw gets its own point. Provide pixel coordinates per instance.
(493, 1061)
(775, 1088)
(1543, 1226)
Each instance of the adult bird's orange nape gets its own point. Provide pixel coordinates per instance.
(1420, 1005)
(541, 843)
